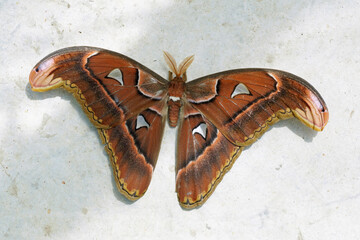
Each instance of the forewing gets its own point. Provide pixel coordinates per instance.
(109, 86)
(203, 156)
(243, 103)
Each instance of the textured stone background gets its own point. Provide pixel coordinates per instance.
(55, 177)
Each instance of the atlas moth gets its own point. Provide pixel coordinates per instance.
(217, 115)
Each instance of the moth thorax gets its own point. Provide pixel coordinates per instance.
(173, 112)
(176, 87)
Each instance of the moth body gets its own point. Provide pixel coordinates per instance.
(176, 86)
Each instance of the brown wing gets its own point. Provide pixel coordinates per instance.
(203, 156)
(243, 103)
(123, 99)
(133, 148)
(109, 86)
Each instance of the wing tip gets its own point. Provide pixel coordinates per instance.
(42, 78)
(314, 118)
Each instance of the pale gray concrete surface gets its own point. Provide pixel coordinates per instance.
(55, 178)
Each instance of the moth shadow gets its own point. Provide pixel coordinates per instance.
(59, 92)
(63, 94)
(298, 128)
(120, 197)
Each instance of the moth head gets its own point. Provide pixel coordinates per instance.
(179, 71)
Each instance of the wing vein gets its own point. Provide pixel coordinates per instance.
(231, 117)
